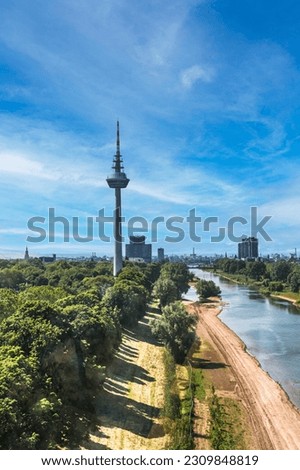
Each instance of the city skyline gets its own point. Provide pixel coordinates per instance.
(206, 94)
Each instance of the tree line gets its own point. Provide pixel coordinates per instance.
(60, 324)
(270, 276)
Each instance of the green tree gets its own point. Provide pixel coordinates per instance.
(165, 290)
(11, 278)
(8, 302)
(132, 272)
(206, 289)
(256, 269)
(16, 390)
(281, 270)
(176, 329)
(104, 268)
(294, 280)
(35, 327)
(152, 272)
(129, 299)
(98, 284)
(48, 294)
(179, 274)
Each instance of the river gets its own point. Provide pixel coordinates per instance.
(269, 327)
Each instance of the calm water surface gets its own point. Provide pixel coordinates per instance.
(269, 328)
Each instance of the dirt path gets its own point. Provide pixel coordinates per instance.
(274, 420)
(201, 425)
(128, 408)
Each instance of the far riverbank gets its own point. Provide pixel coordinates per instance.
(287, 296)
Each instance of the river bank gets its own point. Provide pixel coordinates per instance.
(288, 297)
(274, 420)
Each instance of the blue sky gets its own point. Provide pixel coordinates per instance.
(207, 94)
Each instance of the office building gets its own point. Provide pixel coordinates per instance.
(138, 250)
(248, 248)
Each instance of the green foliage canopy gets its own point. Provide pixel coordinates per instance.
(176, 329)
(206, 289)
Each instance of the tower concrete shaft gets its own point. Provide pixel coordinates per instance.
(117, 180)
(118, 263)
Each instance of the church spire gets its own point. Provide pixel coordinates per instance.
(26, 256)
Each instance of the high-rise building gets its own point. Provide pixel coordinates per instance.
(160, 254)
(248, 248)
(117, 180)
(138, 250)
(48, 259)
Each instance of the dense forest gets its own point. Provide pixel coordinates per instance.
(60, 324)
(270, 277)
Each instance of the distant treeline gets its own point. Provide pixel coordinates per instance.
(60, 324)
(271, 277)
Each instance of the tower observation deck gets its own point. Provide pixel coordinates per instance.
(117, 181)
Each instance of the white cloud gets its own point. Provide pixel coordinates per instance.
(22, 165)
(13, 231)
(37, 151)
(283, 211)
(195, 73)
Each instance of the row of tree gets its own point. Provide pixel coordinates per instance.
(175, 327)
(276, 276)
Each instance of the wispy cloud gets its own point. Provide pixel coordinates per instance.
(195, 73)
(13, 231)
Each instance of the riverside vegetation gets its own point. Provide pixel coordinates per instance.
(277, 278)
(60, 326)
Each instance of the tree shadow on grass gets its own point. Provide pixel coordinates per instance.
(112, 386)
(91, 442)
(114, 408)
(124, 371)
(128, 350)
(143, 330)
(202, 436)
(199, 363)
(153, 310)
(120, 411)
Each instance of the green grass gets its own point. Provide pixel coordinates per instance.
(289, 295)
(226, 430)
(177, 412)
(198, 384)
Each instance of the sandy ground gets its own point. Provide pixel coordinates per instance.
(293, 301)
(129, 406)
(273, 419)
